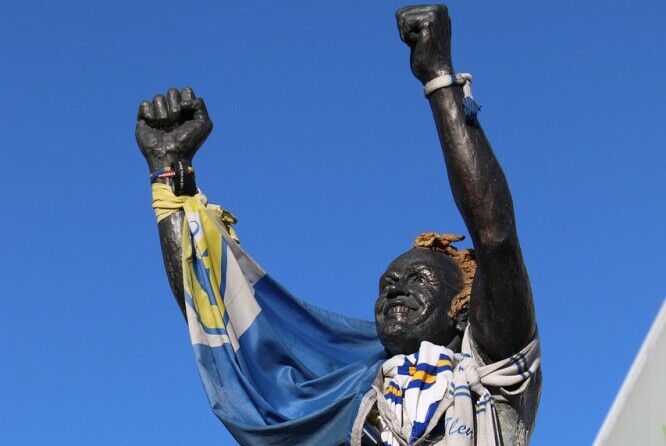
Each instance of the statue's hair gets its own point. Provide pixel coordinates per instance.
(465, 259)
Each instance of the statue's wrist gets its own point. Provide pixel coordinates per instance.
(159, 161)
(178, 174)
(444, 70)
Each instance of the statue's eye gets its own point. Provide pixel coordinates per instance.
(386, 280)
(418, 279)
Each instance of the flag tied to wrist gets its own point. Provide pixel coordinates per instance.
(276, 370)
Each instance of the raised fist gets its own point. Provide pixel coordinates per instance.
(172, 128)
(427, 31)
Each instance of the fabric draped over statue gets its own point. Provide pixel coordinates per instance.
(277, 371)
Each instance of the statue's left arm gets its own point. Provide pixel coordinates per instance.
(169, 131)
(501, 307)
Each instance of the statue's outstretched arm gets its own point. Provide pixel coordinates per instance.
(169, 131)
(501, 308)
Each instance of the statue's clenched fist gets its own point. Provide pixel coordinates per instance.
(172, 128)
(427, 31)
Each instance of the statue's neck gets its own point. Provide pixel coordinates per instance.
(455, 344)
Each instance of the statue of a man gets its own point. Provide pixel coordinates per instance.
(424, 302)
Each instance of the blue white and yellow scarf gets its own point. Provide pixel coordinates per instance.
(437, 388)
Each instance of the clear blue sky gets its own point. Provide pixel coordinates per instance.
(325, 149)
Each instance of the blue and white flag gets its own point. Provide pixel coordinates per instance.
(277, 371)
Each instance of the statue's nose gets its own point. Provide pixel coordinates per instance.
(396, 290)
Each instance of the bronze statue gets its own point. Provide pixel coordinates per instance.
(420, 292)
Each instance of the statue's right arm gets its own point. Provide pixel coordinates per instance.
(501, 308)
(169, 131)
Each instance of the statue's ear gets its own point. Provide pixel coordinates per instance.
(462, 319)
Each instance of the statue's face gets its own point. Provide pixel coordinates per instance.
(415, 294)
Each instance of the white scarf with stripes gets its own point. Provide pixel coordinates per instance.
(415, 392)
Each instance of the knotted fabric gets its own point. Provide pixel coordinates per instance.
(165, 204)
(437, 388)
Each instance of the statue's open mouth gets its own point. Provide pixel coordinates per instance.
(401, 308)
(398, 309)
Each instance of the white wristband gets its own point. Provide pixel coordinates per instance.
(445, 81)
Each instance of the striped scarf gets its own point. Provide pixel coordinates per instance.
(415, 392)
